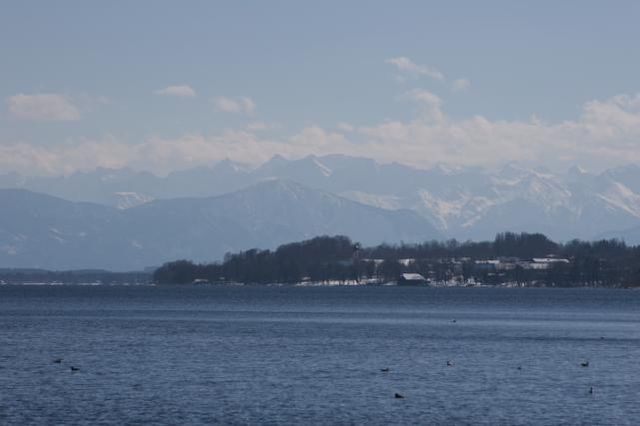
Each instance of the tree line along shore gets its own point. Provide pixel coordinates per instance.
(511, 259)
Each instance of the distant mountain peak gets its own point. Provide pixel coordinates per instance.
(275, 161)
(512, 170)
(283, 186)
(445, 169)
(464, 202)
(577, 171)
(230, 165)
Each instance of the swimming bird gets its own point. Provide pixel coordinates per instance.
(449, 363)
(57, 360)
(453, 320)
(385, 370)
(519, 367)
(74, 368)
(591, 390)
(584, 364)
(397, 395)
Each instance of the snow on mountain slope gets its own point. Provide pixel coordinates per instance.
(126, 200)
(622, 198)
(457, 201)
(387, 202)
(38, 230)
(325, 170)
(465, 204)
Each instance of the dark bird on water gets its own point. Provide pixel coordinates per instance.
(385, 370)
(397, 395)
(453, 320)
(74, 368)
(519, 367)
(57, 360)
(591, 389)
(449, 363)
(584, 364)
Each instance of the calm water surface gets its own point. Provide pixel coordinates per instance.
(282, 355)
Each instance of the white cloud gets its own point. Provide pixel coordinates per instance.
(182, 91)
(66, 157)
(346, 127)
(256, 126)
(430, 104)
(241, 104)
(406, 65)
(318, 139)
(43, 107)
(425, 97)
(605, 134)
(460, 85)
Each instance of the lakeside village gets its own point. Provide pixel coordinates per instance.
(450, 273)
(456, 272)
(511, 260)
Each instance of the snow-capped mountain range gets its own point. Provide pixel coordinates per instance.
(41, 231)
(460, 202)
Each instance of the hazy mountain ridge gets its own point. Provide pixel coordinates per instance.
(42, 231)
(459, 202)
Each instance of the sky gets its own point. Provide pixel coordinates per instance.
(163, 86)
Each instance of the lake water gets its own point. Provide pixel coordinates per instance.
(293, 355)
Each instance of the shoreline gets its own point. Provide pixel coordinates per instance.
(312, 285)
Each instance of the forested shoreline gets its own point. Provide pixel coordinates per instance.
(510, 259)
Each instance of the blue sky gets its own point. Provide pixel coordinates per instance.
(167, 85)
